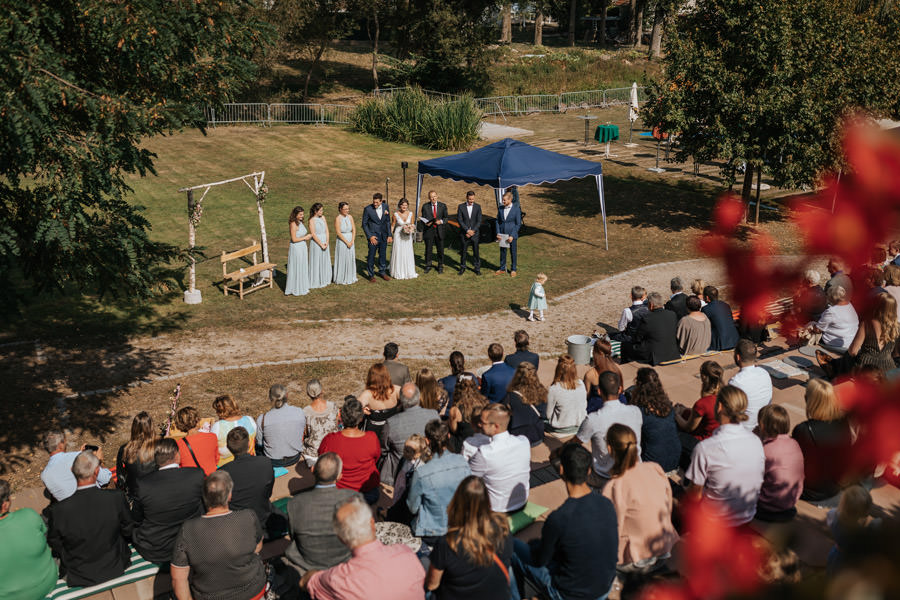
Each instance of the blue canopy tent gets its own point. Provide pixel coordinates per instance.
(510, 163)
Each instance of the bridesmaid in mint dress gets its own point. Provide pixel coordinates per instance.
(344, 246)
(319, 258)
(298, 261)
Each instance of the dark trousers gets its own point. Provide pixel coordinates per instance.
(431, 239)
(381, 248)
(464, 243)
(512, 253)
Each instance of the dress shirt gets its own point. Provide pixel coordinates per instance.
(58, 478)
(379, 211)
(757, 384)
(434, 210)
(505, 465)
(730, 466)
(469, 209)
(594, 427)
(838, 325)
(366, 575)
(627, 315)
(506, 210)
(281, 431)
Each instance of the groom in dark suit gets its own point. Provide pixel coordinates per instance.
(468, 215)
(376, 223)
(435, 213)
(509, 221)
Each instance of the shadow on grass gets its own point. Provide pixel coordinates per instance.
(325, 77)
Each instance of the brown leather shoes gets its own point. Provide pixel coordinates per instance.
(385, 276)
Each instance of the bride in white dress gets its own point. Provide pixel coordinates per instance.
(403, 258)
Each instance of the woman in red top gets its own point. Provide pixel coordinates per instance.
(197, 446)
(359, 451)
(698, 423)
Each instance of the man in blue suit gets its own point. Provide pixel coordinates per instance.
(376, 223)
(495, 380)
(509, 220)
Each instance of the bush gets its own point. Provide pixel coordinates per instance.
(410, 116)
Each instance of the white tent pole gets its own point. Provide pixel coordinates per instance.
(602, 208)
(421, 178)
(498, 192)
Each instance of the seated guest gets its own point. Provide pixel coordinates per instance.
(166, 499)
(677, 302)
(566, 406)
(575, 557)
(655, 340)
(135, 457)
(755, 381)
(601, 361)
(810, 301)
(57, 475)
(874, 281)
(893, 253)
(375, 571)
(433, 484)
(496, 379)
(874, 342)
(659, 434)
(892, 283)
(465, 412)
(252, 482)
(783, 479)
(839, 276)
(642, 497)
(322, 418)
(522, 354)
(848, 522)
(632, 315)
(694, 332)
(728, 467)
(415, 453)
(27, 570)
(379, 400)
(279, 432)
(697, 286)
(434, 396)
(724, 333)
(197, 448)
(359, 451)
(825, 441)
(699, 422)
(90, 528)
(402, 425)
(230, 416)
(525, 394)
(398, 371)
(217, 555)
(314, 545)
(473, 559)
(501, 459)
(594, 427)
(457, 372)
(838, 324)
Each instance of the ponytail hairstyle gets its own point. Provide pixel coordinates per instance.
(623, 446)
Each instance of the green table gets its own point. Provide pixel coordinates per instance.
(606, 133)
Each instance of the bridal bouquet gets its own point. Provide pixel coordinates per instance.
(409, 228)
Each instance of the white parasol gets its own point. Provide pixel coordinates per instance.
(632, 110)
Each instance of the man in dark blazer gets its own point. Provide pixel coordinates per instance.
(495, 380)
(656, 335)
(678, 302)
(314, 544)
(89, 529)
(522, 354)
(399, 427)
(399, 372)
(468, 215)
(253, 479)
(509, 221)
(725, 335)
(435, 215)
(166, 499)
(376, 222)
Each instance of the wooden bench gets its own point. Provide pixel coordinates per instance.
(234, 281)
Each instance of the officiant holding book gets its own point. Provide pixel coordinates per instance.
(432, 221)
(509, 221)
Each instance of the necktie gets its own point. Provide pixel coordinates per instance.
(434, 210)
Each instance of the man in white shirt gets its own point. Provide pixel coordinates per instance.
(728, 467)
(754, 381)
(632, 315)
(57, 475)
(503, 461)
(593, 428)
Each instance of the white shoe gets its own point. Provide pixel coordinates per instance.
(531, 318)
(540, 318)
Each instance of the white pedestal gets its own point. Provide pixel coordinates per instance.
(192, 297)
(657, 170)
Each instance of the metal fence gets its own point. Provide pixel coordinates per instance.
(328, 114)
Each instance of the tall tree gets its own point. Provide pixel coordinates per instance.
(83, 83)
(604, 9)
(539, 24)
(573, 16)
(506, 23)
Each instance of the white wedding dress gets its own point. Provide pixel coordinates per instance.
(403, 258)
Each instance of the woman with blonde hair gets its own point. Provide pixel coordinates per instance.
(566, 405)
(697, 286)
(525, 396)
(135, 458)
(825, 440)
(642, 497)
(379, 399)
(601, 362)
(433, 394)
(230, 417)
(475, 554)
(873, 344)
(465, 411)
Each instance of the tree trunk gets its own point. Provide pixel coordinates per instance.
(573, 11)
(632, 13)
(659, 17)
(639, 24)
(747, 188)
(319, 52)
(539, 28)
(375, 45)
(506, 28)
(604, 7)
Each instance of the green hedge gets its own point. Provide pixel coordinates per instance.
(412, 117)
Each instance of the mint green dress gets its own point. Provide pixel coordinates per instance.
(344, 257)
(319, 259)
(297, 267)
(537, 298)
